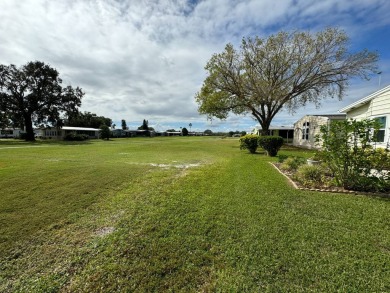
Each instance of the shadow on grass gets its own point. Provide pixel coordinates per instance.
(257, 153)
(289, 147)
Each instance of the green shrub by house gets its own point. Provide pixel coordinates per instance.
(282, 158)
(249, 142)
(310, 175)
(379, 158)
(349, 154)
(271, 144)
(23, 135)
(292, 163)
(104, 132)
(75, 137)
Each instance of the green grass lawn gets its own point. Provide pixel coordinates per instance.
(179, 214)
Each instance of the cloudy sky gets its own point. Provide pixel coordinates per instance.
(144, 59)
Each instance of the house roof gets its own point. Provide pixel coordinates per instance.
(364, 100)
(331, 116)
(277, 127)
(79, 128)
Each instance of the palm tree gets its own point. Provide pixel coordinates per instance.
(190, 125)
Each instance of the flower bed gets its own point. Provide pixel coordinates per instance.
(325, 185)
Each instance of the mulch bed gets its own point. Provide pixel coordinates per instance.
(299, 186)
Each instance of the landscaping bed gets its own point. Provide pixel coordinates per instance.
(324, 185)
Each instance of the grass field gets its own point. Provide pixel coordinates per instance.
(190, 214)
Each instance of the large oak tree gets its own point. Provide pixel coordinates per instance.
(87, 119)
(33, 95)
(286, 70)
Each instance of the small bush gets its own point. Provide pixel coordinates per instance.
(23, 135)
(291, 164)
(349, 154)
(310, 175)
(105, 133)
(318, 156)
(75, 137)
(282, 158)
(379, 159)
(271, 144)
(368, 184)
(249, 142)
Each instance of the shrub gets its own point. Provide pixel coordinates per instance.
(318, 156)
(249, 142)
(75, 137)
(349, 154)
(184, 131)
(379, 159)
(271, 144)
(291, 164)
(310, 175)
(104, 132)
(23, 135)
(282, 158)
(370, 184)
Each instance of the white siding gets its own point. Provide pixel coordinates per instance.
(380, 105)
(10, 132)
(359, 113)
(377, 107)
(315, 123)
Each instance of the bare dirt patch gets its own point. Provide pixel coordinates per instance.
(177, 166)
(101, 232)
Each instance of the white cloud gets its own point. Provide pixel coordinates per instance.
(144, 59)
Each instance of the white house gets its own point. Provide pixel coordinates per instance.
(287, 132)
(308, 127)
(10, 132)
(59, 133)
(375, 106)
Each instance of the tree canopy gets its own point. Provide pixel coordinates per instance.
(184, 131)
(124, 125)
(104, 132)
(87, 119)
(145, 126)
(286, 70)
(33, 95)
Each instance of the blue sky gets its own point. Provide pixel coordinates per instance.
(144, 59)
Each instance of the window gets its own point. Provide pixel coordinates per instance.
(50, 133)
(6, 132)
(380, 135)
(305, 130)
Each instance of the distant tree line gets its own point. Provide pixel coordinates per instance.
(33, 96)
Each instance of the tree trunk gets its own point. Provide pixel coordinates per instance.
(264, 120)
(265, 127)
(30, 136)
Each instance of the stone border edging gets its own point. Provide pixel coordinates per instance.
(385, 195)
(288, 178)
